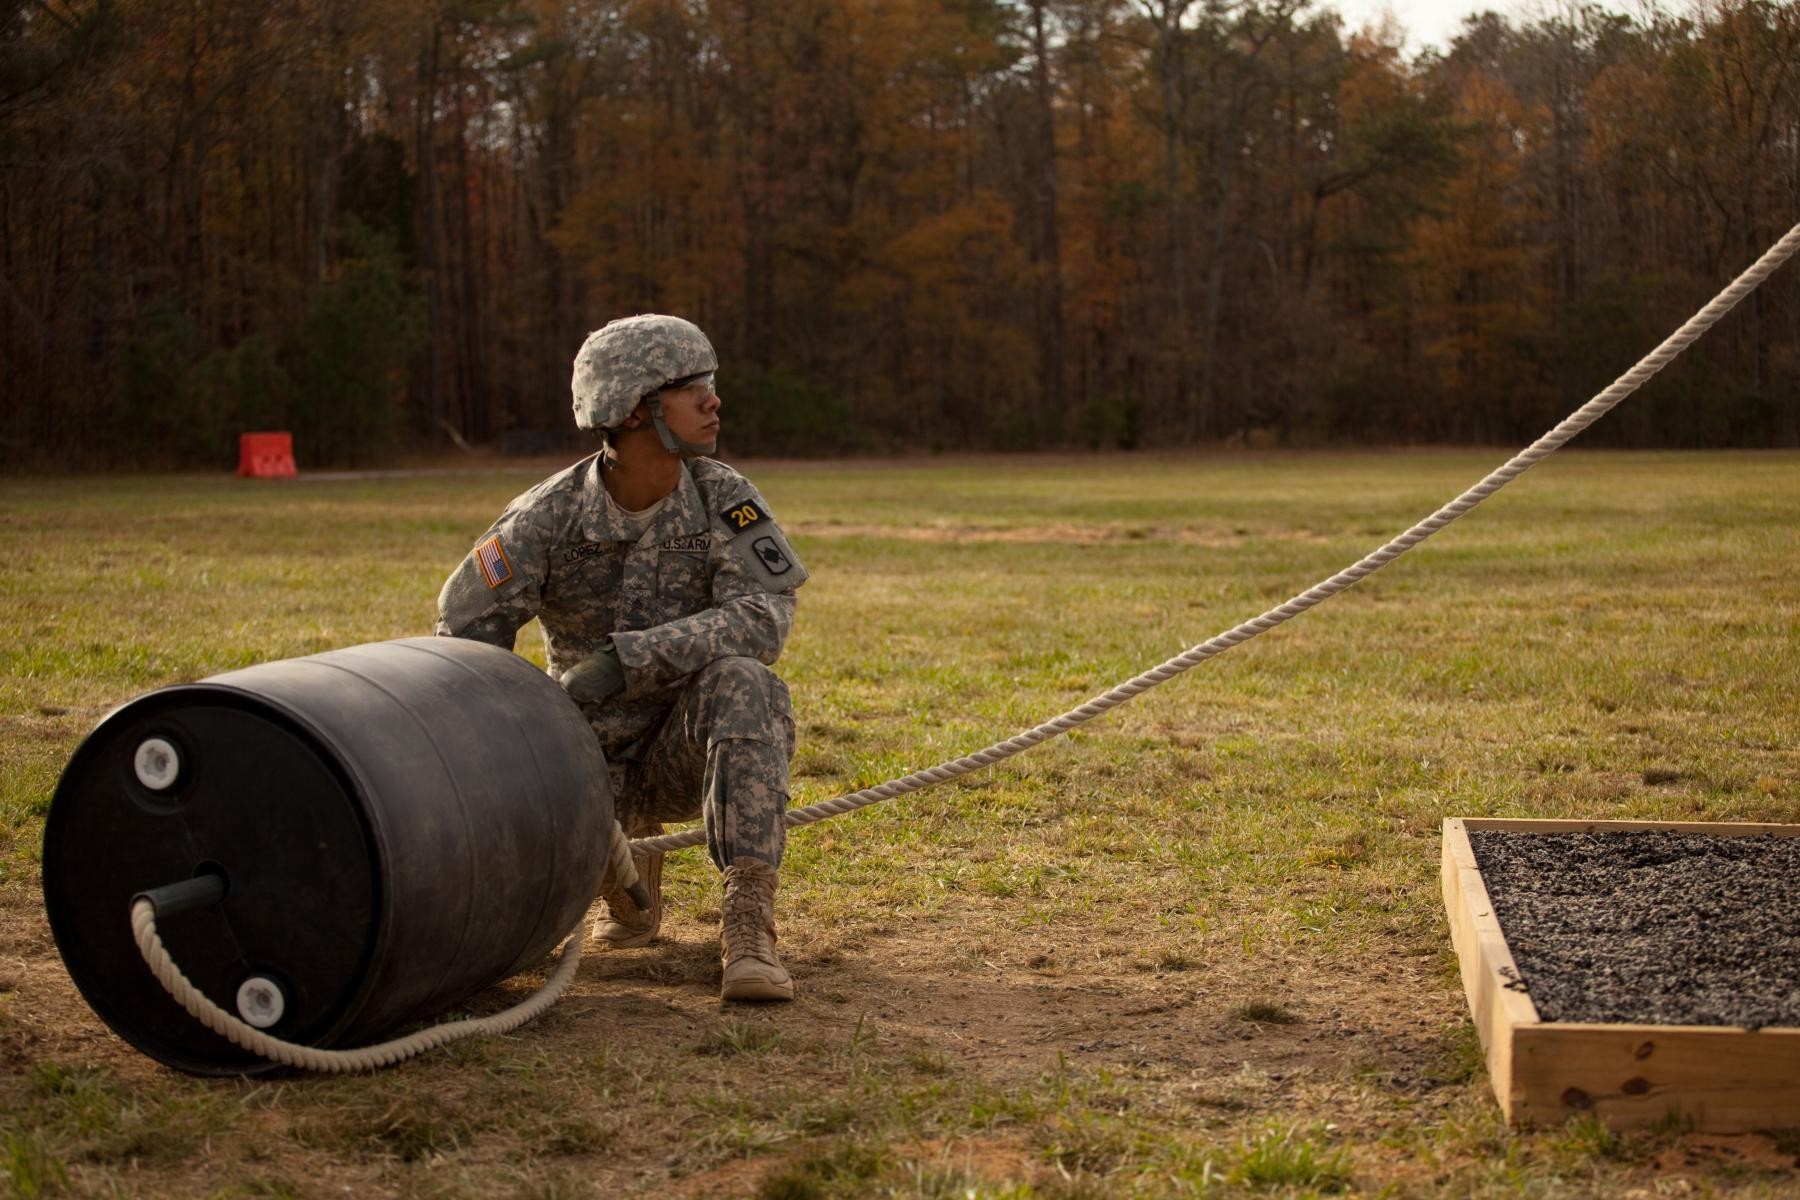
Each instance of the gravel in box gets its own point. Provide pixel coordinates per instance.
(1650, 928)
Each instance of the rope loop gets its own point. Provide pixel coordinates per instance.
(363, 1058)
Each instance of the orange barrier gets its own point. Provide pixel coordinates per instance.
(266, 455)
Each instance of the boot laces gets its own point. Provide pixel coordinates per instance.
(748, 904)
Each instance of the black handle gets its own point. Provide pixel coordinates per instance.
(173, 899)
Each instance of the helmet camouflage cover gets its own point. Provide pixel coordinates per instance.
(628, 359)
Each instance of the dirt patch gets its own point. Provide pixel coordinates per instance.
(738, 1177)
(1002, 1159)
(1013, 1010)
(1019, 1005)
(951, 999)
(1698, 1152)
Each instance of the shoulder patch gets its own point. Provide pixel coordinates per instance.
(745, 514)
(766, 556)
(774, 558)
(494, 567)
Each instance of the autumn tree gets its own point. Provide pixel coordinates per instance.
(907, 223)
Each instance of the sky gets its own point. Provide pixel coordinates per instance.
(1435, 22)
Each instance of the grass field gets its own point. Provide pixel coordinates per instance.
(1195, 948)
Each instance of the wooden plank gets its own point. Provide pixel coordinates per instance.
(1702, 828)
(1497, 1000)
(1714, 1079)
(1721, 1080)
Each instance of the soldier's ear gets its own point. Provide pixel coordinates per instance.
(639, 417)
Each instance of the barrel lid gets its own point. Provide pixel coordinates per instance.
(194, 779)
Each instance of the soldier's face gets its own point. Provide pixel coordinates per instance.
(692, 414)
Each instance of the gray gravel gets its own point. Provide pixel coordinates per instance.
(1651, 927)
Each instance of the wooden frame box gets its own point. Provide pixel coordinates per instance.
(1714, 1079)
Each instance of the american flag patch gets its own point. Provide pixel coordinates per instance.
(493, 562)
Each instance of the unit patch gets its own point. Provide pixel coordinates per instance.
(492, 558)
(742, 516)
(773, 559)
(692, 542)
(765, 556)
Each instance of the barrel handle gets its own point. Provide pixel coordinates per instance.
(210, 888)
(202, 891)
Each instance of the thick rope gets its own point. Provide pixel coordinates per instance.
(1577, 421)
(618, 857)
(362, 1058)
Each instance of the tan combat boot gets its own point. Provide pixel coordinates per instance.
(626, 926)
(752, 972)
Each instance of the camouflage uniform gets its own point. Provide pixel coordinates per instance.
(697, 608)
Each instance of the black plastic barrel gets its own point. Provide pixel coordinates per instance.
(398, 825)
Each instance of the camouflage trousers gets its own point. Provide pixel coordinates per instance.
(721, 753)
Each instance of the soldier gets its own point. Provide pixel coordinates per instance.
(665, 591)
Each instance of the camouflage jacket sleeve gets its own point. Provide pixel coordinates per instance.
(754, 573)
(499, 586)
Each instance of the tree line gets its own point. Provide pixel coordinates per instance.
(907, 224)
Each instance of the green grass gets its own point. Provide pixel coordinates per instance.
(1278, 1158)
(1194, 948)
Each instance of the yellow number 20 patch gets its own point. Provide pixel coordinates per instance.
(742, 516)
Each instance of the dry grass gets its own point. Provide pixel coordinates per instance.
(1193, 948)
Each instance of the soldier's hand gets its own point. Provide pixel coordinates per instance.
(595, 677)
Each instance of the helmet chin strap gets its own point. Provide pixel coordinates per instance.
(671, 443)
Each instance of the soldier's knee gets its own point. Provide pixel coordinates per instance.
(745, 680)
(749, 697)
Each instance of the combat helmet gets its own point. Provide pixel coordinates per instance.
(627, 360)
